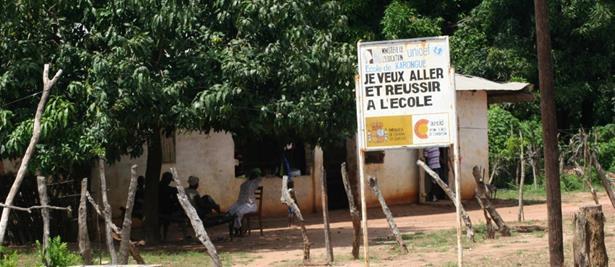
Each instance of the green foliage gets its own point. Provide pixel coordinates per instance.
(502, 129)
(401, 21)
(7, 258)
(58, 254)
(570, 183)
(497, 41)
(605, 145)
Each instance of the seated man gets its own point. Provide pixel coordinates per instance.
(204, 205)
(246, 201)
(169, 210)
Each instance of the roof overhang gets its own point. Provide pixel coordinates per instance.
(511, 92)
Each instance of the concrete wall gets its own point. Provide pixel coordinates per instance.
(397, 177)
(474, 142)
(211, 158)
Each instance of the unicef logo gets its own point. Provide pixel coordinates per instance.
(438, 50)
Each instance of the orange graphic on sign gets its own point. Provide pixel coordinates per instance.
(388, 131)
(421, 128)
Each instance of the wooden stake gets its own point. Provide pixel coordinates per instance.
(373, 184)
(520, 215)
(288, 200)
(127, 225)
(549, 133)
(354, 213)
(107, 214)
(134, 251)
(44, 199)
(486, 203)
(587, 181)
(363, 207)
(84, 238)
(451, 195)
(325, 215)
(196, 222)
(588, 244)
(36, 132)
(605, 181)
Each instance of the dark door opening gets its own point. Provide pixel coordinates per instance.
(333, 157)
(445, 163)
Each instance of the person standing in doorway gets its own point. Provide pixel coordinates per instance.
(432, 156)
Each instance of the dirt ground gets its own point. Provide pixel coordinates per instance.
(282, 246)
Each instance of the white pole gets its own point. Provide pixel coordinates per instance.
(361, 162)
(457, 170)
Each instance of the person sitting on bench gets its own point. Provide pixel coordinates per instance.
(204, 205)
(246, 201)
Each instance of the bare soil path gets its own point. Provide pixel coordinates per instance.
(281, 245)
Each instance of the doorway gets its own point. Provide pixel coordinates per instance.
(333, 157)
(445, 163)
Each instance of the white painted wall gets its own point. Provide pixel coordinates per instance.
(474, 142)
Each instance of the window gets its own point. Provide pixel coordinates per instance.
(268, 155)
(374, 157)
(168, 147)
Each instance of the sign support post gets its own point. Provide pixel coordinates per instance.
(361, 163)
(457, 170)
(406, 98)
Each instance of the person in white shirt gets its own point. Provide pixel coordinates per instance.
(246, 201)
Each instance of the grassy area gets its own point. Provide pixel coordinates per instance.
(28, 257)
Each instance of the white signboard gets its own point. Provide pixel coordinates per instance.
(406, 94)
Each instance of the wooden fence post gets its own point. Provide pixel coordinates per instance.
(486, 203)
(325, 214)
(127, 225)
(288, 200)
(373, 184)
(196, 222)
(588, 244)
(84, 239)
(354, 213)
(107, 208)
(44, 200)
(36, 133)
(464, 215)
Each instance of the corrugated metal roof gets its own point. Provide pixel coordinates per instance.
(468, 83)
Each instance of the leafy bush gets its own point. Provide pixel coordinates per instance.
(570, 182)
(606, 146)
(58, 254)
(7, 258)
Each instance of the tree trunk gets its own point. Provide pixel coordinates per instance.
(520, 215)
(44, 199)
(549, 133)
(152, 178)
(486, 203)
(127, 225)
(534, 174)
(107, 209)
(196, 222)
(36, 132)
(588, 244)
(464, 215)
(325, 215)
(354, 213)
(288, 200)
(373, 184)
(84, 239)
(494, 171)
(605, 181)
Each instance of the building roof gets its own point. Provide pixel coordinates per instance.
(496, 92)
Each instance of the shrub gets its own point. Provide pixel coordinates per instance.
(7, 258)
(58, 254)
(570, 182)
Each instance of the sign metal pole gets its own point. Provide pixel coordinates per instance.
(361, 163)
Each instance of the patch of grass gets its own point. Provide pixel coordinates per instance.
(162, 257)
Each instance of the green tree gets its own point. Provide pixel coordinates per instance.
(496, 41)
